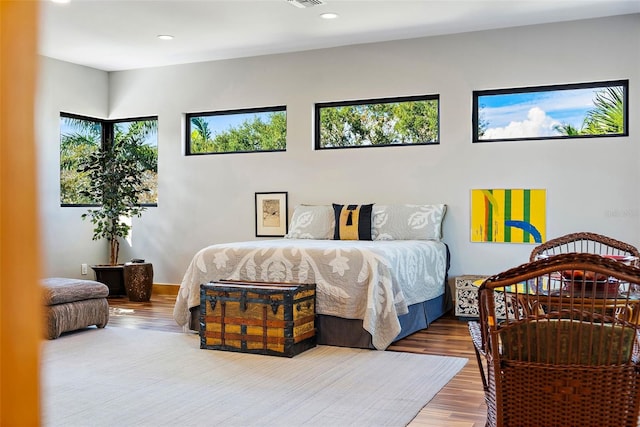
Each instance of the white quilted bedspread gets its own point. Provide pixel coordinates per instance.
(370, 280)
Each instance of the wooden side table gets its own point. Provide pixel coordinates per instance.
(138, 280)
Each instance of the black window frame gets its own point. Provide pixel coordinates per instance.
(189, 116)
(475, 119)
(106, 136)
(386, 100)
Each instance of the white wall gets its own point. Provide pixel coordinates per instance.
(591, 184)
(66, 240)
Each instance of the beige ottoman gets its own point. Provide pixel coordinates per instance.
(72, 304)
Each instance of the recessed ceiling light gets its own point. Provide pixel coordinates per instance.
(329, 15)
(165, 37)
(61, 1)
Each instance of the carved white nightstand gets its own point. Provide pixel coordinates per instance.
(466, 304)
(467, 295)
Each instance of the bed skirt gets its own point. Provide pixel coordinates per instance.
(331, 330)
(341, 332)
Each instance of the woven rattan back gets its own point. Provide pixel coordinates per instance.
(586, 242)
(564, 351)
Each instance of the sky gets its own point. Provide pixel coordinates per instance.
(221, 123)
(534, 114)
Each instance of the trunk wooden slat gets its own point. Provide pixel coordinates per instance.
(251, 317)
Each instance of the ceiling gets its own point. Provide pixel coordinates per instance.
(122, 34)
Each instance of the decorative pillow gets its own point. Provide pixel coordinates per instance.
(311, 222)
(407, 222)
(352, 222)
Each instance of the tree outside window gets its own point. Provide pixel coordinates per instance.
(379, 122)
(80, 136)
(581, 110)
(237, 131)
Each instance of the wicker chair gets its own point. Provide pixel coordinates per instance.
(567, 353)
(586, 242)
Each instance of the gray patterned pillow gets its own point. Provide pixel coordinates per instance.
(407, 222)
(311, 222)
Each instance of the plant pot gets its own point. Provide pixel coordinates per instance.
(112, 276)
(138, 280)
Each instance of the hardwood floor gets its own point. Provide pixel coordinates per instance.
(459, 404)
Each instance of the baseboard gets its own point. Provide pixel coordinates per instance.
(165, 289)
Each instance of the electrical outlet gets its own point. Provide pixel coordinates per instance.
(83, 269)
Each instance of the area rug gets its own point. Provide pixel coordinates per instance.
(130, 377)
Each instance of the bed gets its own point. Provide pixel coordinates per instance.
(369, 293)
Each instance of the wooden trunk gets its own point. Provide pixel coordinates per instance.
(264, 318)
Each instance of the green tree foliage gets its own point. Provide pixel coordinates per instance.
(76, 146)
(606, 118)
(145, 154)
(341, 127)
(483, 123)
(116, 183)
(417, 121)
(82, 138)
(608, 115)
(200, 135)
(411, 122)
(566, 129)
(255, 134)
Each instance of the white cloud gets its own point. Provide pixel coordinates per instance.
(537, 124)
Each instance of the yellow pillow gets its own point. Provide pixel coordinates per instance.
(353, 222)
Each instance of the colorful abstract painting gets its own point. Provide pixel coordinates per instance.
(508, 215)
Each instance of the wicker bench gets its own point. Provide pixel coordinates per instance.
(72, 304)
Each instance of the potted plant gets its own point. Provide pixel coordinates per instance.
(116, 184)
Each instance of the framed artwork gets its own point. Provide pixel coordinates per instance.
(271, 214)
(508, 215)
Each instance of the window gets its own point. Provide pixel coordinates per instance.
(410, 120)
(547, 112)
(145, 132)
(80, 136)
(237, 131)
